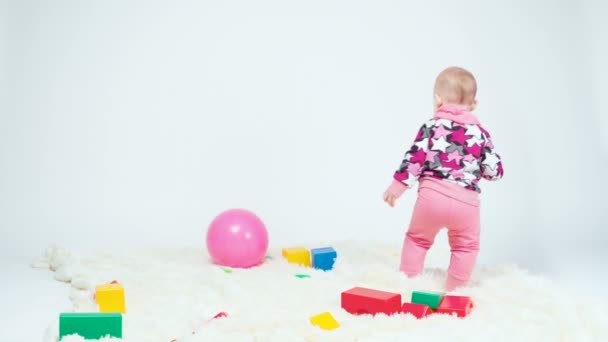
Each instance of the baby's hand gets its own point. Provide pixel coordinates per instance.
(389, 198)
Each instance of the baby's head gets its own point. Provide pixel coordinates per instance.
(456, 85)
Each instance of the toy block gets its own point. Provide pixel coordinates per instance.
(325, 321)
(460, 305)
(90, 325)
(418, 310)
(220, 315)
(432, 299)
(297, 255)
(110, 298)
(360, 300)
(323, 258)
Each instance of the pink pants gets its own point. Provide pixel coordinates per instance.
(432, 212)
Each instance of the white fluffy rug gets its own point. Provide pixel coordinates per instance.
(170, 293)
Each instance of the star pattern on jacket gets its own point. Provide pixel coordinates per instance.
(456, 152)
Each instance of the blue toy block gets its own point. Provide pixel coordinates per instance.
(323, 258)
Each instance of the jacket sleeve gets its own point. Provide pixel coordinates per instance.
(491, 163)
(413, 163)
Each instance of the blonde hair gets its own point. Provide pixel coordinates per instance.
(456, 85)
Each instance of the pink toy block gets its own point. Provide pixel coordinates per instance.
(460, 305)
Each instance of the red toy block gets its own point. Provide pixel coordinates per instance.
(418, 310)
(360, 300)
(460, 305)
(221, 314)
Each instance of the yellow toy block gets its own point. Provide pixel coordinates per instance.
(325, 321)
(297, 255)
(110, 298)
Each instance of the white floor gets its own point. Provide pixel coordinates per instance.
(20, 290)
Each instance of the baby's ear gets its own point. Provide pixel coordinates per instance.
(473, 105)
(438, 100)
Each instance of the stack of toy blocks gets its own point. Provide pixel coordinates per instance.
(440, 303)
(361, 300)
(423, 303)
(319, 258)
(107, 322)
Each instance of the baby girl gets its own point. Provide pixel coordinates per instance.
(450, 155)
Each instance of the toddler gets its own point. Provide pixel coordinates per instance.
(450, 154)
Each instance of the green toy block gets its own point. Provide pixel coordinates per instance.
(90, 326)
(432, 299)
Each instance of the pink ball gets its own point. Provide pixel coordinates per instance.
(237, 238)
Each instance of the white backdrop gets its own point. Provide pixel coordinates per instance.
(134, 124)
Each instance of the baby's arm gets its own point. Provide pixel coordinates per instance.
(491, 164)
(411, 166)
